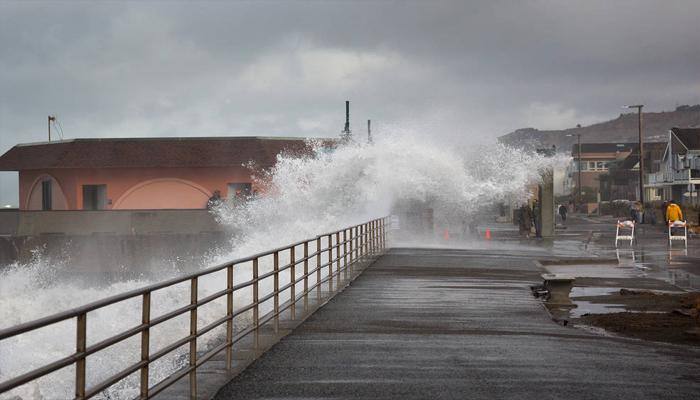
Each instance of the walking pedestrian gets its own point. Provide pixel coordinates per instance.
(525, 220)
(562, 212)
(651, 214)
(537, 218)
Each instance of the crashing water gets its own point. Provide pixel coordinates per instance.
(303, 197)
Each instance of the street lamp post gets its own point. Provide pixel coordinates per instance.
(641, 151)
(578, 157)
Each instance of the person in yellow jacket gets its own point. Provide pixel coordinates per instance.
(673, 212)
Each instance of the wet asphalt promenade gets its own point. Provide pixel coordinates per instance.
(458, 324)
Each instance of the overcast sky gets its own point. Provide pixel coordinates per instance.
(468, 70)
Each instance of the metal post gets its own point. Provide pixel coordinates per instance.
(369, 238)
(318, 267)
(193, 340)
(579, 169)
(51, 118)
(229, 315)
(330, 263)
(293, 277)
(306, 275)
(352, 239)
(362, 241)
(383, 234)
(373, 236)
(145, 342)
(357, 243)
(337, 253)
(366, 239)
(641, 156)
(276, 288)
(358, 240)
(256, 305)
(80, 345)
(345, 249)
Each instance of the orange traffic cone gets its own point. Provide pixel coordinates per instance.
(488, 234)
(446, 235)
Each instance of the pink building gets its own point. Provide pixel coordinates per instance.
(148, 173)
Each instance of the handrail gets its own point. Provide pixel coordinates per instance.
(73, 313)
(358, 242)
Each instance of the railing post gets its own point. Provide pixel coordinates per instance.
(256, 306)
(293, 276)
(330, 263)
(366, 236)
(352, 239)
(276, 288)
(362, 241)
(337, 253)
(345, 249)
(306, 275)
(80, 345)
(193, 340)
(383, 234)
(229, 316)
(375, 242)
(145, 342)
(376, 236)
(359, 242)
(306, 268)
(318, 267)
(371, 238)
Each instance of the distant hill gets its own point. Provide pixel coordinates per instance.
(655, 126)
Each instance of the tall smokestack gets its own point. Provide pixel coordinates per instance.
(369, 131)
(346, 134)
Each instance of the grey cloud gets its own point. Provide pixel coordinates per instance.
(460, 70)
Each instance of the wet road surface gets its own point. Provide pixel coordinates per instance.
(458, 324)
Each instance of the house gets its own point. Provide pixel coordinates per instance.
(142, 173)
(621, 181)
(679, 175)
(595, 159)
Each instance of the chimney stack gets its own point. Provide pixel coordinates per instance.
(369, 131)
(346, 134)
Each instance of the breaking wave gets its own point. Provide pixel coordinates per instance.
(302, 197)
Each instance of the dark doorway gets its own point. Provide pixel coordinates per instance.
(46, 195)
(94, 197)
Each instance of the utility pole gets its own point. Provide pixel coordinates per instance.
(369, 131)
(578, 136)
(641, 151)
(578, 160)
(51, 118)
(346, 134)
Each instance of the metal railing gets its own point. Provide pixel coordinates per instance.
(351, 245)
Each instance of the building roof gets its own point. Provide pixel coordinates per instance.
(602, 148)
(632, 159)
(690, 137)
(151, 152)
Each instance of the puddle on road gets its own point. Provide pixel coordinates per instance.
(631, 270)
(602, 284)
(586, 307)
